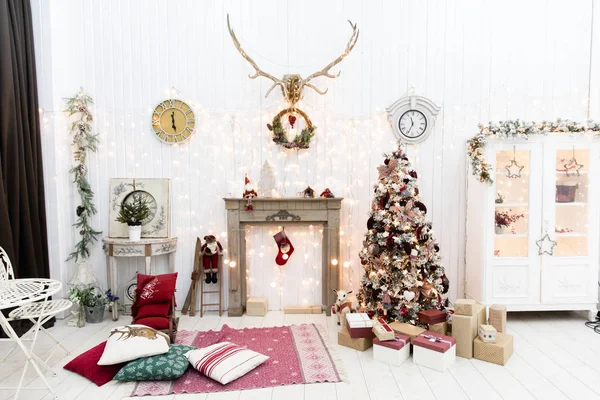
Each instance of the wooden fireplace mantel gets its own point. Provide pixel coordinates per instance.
(282, 211)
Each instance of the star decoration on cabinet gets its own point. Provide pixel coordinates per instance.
(573, 167)
(514, 169)
(546, 245)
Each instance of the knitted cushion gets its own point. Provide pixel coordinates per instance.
(166, 366)
(225, 362)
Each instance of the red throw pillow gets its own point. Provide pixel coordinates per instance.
(157, 323)
(86, 365)
(152, 289)
(154, 310)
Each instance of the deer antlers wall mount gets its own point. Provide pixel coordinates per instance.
(292, 87)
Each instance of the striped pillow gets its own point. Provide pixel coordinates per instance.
(224, 362)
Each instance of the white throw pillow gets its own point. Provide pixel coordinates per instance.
(130, 342)
(225, 362)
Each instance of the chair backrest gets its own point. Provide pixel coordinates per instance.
(6, 269)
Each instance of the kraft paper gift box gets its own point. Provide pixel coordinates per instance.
(361, 344)
(393, 352)
(431, 316)
(441, 328)
(434, 351)
(464, 307)
(480, 311)
(359, 325)
(464, 330)
(498, 352)
(302, 310)
(257, 306)
(486, 333)
(409, 330)
(497, 317)
(382, 330)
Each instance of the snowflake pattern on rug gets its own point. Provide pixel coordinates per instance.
(298, 354)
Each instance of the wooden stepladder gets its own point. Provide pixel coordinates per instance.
(204, 286)
(192, 296)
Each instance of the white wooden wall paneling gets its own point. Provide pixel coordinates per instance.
(480, 61)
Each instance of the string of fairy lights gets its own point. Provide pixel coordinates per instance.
(212, 164)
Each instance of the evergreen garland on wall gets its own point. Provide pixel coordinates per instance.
(83, 140)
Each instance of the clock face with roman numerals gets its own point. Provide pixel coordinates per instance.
(173, 121)
(412, 124)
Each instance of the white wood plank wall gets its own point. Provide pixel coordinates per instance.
(479, 60)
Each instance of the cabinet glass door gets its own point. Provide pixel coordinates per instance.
(511, 216)
(571, 206)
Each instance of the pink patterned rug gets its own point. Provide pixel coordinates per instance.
(298, 354)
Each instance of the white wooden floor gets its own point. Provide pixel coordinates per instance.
(556, 357)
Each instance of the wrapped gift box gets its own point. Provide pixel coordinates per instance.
(487, 333)
(434, 351)
(497, 317)
(409, 330)
(464, 307)
(441, 328)
(393, 352)
(498, 352)
(302, 310)
(359, 325)
(257, 306)
(464, 330)
(382, 330)
(362, 344)
(431, 316)
(480, 311)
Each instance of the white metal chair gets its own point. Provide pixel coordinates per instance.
(38, 313)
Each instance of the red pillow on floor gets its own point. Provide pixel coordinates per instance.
(157, 323)
(153, 310)
(86, 365)
(152, 289)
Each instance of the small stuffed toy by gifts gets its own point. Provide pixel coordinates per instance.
(210, 252)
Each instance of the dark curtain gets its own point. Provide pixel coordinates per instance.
(22, 213)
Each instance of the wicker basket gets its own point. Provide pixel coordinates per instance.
(565, 192)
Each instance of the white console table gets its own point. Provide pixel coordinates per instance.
(147, 247)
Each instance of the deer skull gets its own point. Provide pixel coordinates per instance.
(292, 85)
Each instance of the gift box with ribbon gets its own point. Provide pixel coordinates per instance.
(434, 351)
(361, 344)
(393, 352)
(382, 330)
(359, 325)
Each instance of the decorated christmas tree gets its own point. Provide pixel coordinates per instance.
(403, 269)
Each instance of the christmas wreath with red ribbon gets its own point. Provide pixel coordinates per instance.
(302, 139)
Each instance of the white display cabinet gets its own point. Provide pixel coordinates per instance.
(536, 183)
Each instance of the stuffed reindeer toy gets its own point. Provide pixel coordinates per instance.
(344, 304)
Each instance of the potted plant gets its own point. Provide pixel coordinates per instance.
(91, 301)
(133, 213)
(506, 219)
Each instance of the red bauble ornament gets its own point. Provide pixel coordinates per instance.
(292, 120)
(403, 311)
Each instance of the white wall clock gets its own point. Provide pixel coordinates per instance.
(412, 118)
(173, 121)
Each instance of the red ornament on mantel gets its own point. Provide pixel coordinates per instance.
(292, 120)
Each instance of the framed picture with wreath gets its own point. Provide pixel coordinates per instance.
(156, 192)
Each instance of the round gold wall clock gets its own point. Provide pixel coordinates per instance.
(173, 121)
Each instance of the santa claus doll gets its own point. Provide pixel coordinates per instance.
(211, 250)
(249, 193)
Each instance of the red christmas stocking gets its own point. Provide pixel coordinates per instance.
(285, 248)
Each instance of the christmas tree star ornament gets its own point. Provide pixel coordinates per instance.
(546, 245)
(572, 165)
(513, 170)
